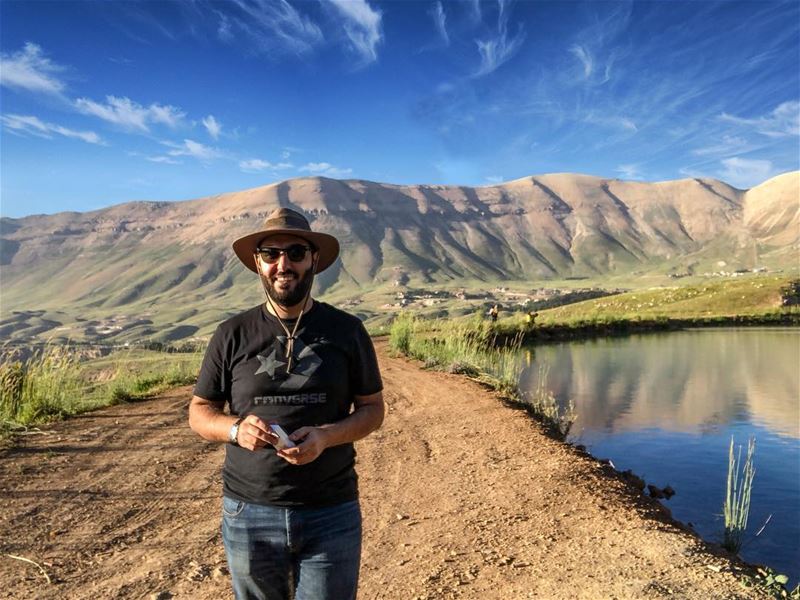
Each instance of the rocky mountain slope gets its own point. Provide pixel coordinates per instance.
(170, 262)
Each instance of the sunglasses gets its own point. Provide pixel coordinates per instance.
(295, 253)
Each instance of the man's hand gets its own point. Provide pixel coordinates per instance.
(311, 441)
(254, 433)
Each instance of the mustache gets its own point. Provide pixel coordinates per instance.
(288, 272)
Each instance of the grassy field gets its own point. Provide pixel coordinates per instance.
(751, 295)
(55, 382)
(750, 299)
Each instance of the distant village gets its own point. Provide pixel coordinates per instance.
(509, 299)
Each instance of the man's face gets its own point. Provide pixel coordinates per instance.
(287, 281)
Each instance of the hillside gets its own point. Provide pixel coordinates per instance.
(165, 270)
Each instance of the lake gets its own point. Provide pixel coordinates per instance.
(665, 405)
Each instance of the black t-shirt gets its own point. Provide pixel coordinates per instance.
(245, 366)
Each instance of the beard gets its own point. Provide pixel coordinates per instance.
(293, 295)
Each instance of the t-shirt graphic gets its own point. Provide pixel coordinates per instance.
(274, 364)
(245, 368)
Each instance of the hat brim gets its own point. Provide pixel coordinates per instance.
(326, 245)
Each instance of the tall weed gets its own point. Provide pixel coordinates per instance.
(737, 499)
(544, 404)
(46, 385)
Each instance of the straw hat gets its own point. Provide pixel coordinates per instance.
(289, 222)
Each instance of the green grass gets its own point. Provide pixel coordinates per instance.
(471, 347)
(749, 295)
(55, 383)
(45, 386)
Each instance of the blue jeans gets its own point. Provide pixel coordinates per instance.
(278, 553)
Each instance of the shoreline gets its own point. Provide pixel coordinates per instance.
(622, 327)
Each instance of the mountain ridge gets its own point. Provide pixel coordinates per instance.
(138, 256)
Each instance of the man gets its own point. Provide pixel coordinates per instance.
(493, 312)
(291, 522)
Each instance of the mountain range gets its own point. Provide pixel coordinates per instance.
(166, 270)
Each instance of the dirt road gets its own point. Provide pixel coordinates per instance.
(462, 498)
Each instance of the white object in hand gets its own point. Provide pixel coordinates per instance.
(283, 439)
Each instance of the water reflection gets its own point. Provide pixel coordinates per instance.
(689, 381)
(667, 405)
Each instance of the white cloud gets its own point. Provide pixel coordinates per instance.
(362, 24)
(130, 115)
(440, 22)
(474, 10)
(30, 70)
(629, 171)
(21, 124)
(745, 173)
(323, 168)
(728, 145)
(498, 49)
(194, 149)
(163, 159)
(272, 26)
(213, 126)
(224, 29)
(256, 164)
(583, 55)
(615, 122)
(166, 115)
(494, 179)
(783, 121)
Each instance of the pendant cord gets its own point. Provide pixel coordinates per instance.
(290, 336)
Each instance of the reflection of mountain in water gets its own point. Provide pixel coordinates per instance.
(684, 381)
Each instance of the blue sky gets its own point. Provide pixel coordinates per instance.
(105, 102)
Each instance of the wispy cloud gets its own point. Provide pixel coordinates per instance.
(22, 124)
(323, 168)
(499, 48)
(195, 150)
(745, 173)
(271, 26)
(494, 179)
(783, 121)
(213, 126)
(582, 54)
(729, 144)
(30, 70)
(362, 24)
(224, 28)
(615, 122)
(255, 165)
(474, 10)
(440, 22)
(163, 159)
(130, 115)
(630, 172)
(594, 46)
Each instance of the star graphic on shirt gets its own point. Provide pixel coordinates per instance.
(269, 364)
(305, 363)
